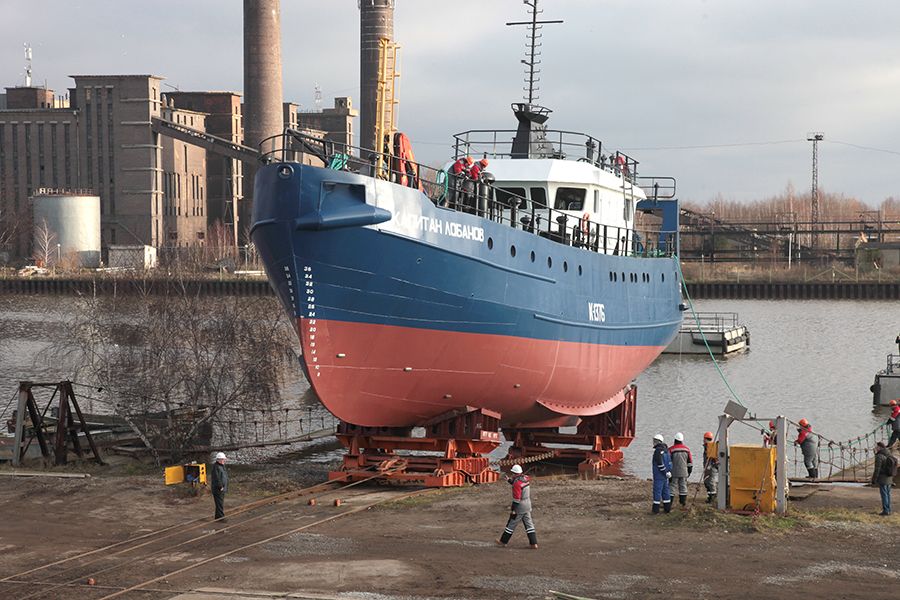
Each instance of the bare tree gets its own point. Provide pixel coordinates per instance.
(45, 247)
(177, 351)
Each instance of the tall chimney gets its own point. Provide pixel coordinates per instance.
(376, 21)
(263, 116)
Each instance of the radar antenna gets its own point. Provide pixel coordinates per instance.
(27, 65)
(533, 50)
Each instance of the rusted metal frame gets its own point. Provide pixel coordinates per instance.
(39, 431)
(84, 425)
(61, 449)
(37, 422)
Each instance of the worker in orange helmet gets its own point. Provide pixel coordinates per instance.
(894, 422)
(710, 467)
(809, 445)
(769, 435)
(476, 169)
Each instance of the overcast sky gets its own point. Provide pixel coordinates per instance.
(718, 93)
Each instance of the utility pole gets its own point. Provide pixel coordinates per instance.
(815, 138)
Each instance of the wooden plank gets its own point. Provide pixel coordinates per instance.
(44, 474)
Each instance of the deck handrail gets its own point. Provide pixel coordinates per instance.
(462, 194)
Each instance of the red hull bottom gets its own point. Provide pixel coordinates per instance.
(388, 376)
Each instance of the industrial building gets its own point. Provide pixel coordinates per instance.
(154, 189)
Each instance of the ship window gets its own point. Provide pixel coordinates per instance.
(538, 196)
(610, 276)
(569, 198)
(549, 263)
(623, 276)
(512, 251)
(579, 270)
(532, 256)
(597, 202)
(490, 243)
(508, 196)
(663, 276)
(565, 266)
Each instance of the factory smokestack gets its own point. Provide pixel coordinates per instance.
(376, 21)
(263, 115)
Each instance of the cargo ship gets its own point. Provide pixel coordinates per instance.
(526, 291)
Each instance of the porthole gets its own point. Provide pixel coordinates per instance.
(490, 243)
(610, 276)
(579, 270)
(565, 266)
(549, 263)
(663, 276)
(512, 251)
(532, 256)
(623, 276)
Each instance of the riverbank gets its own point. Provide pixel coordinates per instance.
(728, 288)
(597, 539)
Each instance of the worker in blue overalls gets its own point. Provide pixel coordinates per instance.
(662, 472)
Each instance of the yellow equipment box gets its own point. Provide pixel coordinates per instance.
(752, 478)
(193, 473)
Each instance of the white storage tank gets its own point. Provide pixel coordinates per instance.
(72, 229)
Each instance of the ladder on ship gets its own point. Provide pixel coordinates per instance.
(386, 102)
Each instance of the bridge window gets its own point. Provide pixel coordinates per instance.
(597, 202)
(539, 196)
(569, 198)
(509, 196)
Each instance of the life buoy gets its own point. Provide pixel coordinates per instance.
(585, 224)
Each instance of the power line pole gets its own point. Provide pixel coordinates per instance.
(815, 138)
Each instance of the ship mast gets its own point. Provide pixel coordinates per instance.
(532, 61)
(531, 140)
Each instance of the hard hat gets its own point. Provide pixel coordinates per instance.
(771, 424)
(658, 438)
(708, 435)
(220, 456)
(483, 162)
(804, 423)
(517, 469)
(469, 160)
(679, 437)
(893, 403)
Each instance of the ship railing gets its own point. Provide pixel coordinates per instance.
(712, 322)
(462, 194)
(559, 144)
(657, 188)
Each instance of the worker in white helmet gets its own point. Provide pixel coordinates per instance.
(662, 473)
(219, 484)
(682, 466)
(521, 508)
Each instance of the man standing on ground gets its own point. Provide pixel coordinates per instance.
(520, 509)
(219, 483)
(710, 467)
(662, 472)
(682, 466)
(809, 446)
(883, 476)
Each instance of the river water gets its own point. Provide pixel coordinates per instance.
(813, 359)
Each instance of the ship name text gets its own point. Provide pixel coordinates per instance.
(447, 228)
